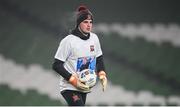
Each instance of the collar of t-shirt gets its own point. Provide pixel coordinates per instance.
(77, 33)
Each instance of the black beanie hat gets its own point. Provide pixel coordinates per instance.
(83, 13)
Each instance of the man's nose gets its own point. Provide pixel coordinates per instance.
(88, 24)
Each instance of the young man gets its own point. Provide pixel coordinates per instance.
(78, 51)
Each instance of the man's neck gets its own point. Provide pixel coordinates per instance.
(80, 34)
(85, 34)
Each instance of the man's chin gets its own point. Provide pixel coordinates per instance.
(87, 32)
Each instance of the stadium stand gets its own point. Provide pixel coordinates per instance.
(34, 85)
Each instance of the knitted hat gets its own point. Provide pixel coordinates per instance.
(83, 13)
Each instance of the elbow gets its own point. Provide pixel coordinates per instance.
(54, 66)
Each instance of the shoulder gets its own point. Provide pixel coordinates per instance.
(93, 35)
(68, 38)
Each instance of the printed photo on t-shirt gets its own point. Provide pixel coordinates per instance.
(86, 63)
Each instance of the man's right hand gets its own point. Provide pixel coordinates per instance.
(78, 84)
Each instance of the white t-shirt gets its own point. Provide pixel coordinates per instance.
(78, 54)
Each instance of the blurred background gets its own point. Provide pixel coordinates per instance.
(140, 40)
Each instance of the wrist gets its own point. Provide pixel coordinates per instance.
(102, 74)
(73, 80)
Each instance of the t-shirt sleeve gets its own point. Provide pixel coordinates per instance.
(63, 50)
(98, 47)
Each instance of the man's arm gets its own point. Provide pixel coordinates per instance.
(100, 64)
(59, 68)
(101, 72)
(73, 79)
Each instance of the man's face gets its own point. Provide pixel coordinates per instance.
(86, 25)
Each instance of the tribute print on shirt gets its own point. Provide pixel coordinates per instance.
(86, 63)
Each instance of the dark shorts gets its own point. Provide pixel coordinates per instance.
(74, 98)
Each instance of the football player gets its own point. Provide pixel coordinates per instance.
(78, 51)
